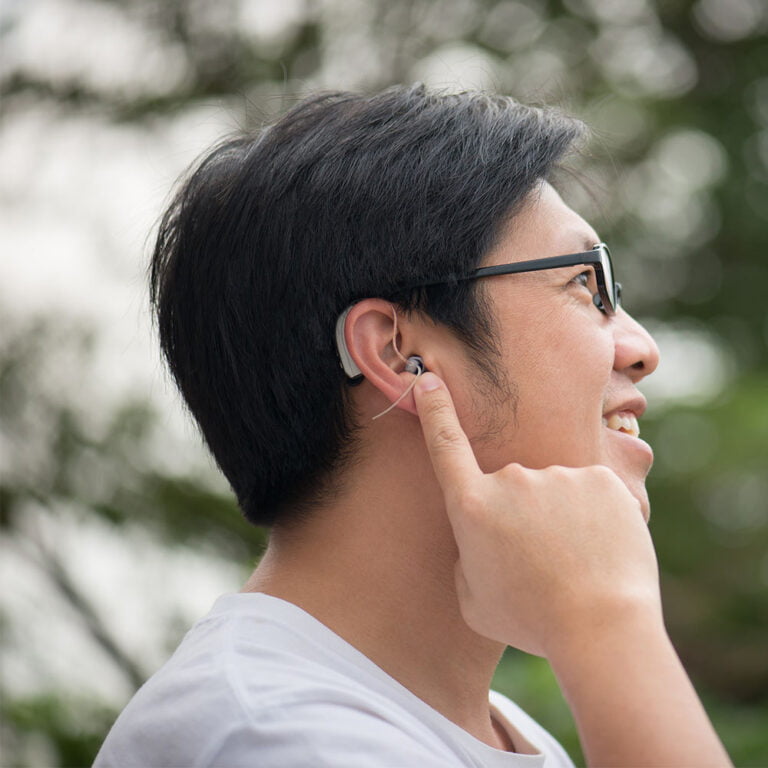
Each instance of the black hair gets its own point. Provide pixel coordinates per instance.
(274, 234)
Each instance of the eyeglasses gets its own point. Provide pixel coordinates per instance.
(608, 296)
(607, 299)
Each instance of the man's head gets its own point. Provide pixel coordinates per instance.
(345, 198)
(572, 368)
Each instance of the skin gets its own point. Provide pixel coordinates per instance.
(569, 363)
(596, 616)
(438, 549)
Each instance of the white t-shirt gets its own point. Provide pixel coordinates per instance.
(260, 683)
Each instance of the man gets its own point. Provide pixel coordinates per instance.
(307, 279)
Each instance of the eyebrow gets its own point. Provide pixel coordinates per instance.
(588, 243)
(582, 241)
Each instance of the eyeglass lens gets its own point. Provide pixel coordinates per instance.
(610, 286)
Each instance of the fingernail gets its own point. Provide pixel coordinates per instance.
(427, 382)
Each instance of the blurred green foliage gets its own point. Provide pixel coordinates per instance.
(677, 94)
(54, 730)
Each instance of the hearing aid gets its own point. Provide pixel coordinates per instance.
(415, 365)
(354, 374)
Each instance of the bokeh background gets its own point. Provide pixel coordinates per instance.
(117, 532)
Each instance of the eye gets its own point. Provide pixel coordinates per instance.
(583, 278)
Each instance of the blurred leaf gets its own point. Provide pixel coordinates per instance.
(677, 180)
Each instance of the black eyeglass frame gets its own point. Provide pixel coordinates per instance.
(607, 299)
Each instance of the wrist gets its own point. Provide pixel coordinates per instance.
(619, 624)
(629, 694)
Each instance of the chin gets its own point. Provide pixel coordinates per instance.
(645, 507)
(638, 490)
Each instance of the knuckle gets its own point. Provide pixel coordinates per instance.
(446, 438)
(514, 471)
(437, 407)
(602, 474)
(470, 499)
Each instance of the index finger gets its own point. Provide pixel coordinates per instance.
(452, 456)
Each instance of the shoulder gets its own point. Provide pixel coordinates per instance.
(260, 681)
(258, 676)
(322, 732)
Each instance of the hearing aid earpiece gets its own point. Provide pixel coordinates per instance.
(414, 364)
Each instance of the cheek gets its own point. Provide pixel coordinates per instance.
(569, 368)
(558, 370)
(561, 385)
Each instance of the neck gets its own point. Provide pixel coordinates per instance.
(377, 567)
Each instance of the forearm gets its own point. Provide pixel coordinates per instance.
(631, 698)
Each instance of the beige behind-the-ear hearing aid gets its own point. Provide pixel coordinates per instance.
(347, 363)
(414, 364)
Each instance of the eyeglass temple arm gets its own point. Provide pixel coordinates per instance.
(552, 262)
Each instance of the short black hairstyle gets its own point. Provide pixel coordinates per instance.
(274, 233)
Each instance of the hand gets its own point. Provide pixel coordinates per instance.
(559, 562)
(542, 553)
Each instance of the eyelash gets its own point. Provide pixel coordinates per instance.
(585, 275)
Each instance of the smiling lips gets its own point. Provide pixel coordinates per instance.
(623, 421)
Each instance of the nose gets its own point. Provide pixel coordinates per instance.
(636, 352)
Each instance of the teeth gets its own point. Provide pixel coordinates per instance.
(623, 422)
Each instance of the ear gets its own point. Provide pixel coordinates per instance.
(369, 331)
